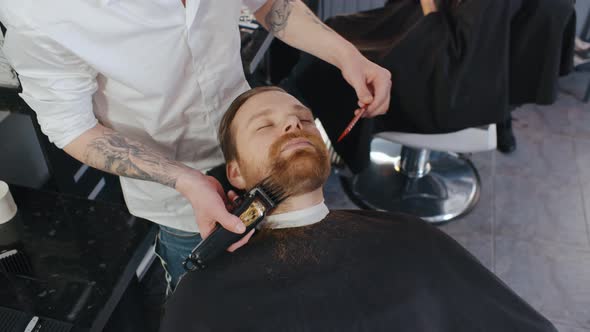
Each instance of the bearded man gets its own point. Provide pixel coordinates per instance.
(311, 269)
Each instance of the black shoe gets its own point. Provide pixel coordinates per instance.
(506, 142)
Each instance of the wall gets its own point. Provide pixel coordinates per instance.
(582, 9)
(329, 8)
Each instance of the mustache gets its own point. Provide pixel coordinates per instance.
(277, 146)
(303, 170)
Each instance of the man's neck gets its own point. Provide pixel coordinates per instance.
(301, 202)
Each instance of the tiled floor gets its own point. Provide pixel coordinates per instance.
(531, 226)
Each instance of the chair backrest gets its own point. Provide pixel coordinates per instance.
(463, 141)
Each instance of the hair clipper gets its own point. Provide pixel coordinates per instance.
(252, 208)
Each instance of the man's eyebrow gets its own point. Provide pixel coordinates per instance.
(300, 108)
(262, 113)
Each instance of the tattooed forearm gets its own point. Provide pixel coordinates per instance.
(278, 16)
(114, 153)
(316, 20)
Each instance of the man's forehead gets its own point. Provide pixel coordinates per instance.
(269, 102)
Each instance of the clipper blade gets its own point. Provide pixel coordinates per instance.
(273, 191)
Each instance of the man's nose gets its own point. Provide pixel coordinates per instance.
(292, 123)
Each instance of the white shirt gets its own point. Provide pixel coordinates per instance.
(8, 78)
(298, 218)
(149, 69)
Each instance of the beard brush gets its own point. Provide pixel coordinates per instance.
(251, 208)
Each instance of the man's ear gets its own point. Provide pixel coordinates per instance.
(234, 175)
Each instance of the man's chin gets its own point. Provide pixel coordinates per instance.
(302, 172)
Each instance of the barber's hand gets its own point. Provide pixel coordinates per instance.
(232, 198)
(371, 82)
(210, 203)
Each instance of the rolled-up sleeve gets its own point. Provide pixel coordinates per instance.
(254, 5)
(56, 84)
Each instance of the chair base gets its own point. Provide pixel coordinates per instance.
(449, 189)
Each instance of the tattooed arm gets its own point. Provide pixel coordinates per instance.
(295, 24)
(109, 151)
(112, 152)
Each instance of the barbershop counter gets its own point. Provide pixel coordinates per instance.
(67, 261)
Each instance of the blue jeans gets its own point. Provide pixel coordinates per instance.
(173, 246)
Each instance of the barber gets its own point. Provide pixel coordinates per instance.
(137, 89)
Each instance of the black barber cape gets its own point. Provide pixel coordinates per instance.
(353, 271)
(463, 66)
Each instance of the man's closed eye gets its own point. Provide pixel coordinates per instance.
(264, 126)
(307, 121)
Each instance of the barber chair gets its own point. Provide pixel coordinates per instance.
(416, 174)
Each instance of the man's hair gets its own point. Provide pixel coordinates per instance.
(226, 139)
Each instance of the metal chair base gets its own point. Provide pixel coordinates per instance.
(435, 186)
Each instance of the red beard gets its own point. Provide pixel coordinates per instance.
(302, 171)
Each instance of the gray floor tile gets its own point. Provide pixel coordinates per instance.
(568, 116)
(479, 220)
(547, 209)
(582, 150)
(554, 279)
(567, 328)
(528, 117)
(483, 161)
(539, 154)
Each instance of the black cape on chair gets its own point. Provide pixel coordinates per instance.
(460, 67)
(353, 271)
